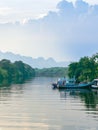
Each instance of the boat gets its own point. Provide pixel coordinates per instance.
(70, 84)
(54, 85)
(95, 84)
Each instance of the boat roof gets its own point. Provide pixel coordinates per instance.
(95, 79)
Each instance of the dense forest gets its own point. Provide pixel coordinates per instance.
(84, 70)
(52, 72)
(17, 71)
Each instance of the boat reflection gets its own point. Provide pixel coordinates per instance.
(88, 96)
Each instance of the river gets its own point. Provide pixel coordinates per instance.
(34, 105)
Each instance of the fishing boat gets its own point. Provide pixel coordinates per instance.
(70, 83)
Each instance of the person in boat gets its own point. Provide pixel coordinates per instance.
(61, 82)
(64, 81)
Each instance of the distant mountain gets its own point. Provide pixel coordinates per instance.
(39, 62)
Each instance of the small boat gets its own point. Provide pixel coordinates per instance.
(54, 85)
(70, 83)
(95, 84)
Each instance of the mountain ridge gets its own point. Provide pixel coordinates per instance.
(39, 62)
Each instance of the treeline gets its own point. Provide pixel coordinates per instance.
(52, 72)
(16, 71)
(84, 70)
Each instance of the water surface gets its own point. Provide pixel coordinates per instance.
(34, 105)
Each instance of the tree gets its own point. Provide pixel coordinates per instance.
(15, 71)
(85, 69)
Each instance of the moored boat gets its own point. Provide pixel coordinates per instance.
(95, 84)
(70, 83)
(80, 85)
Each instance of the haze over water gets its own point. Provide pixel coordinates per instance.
(34, 105)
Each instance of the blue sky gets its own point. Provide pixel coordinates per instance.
(64, 30)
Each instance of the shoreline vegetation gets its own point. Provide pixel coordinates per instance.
(52, 72)
(16, 72)
(85, 70)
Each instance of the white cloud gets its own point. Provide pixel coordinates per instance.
(5, 10)
(42, 15)
(66, 34)
(27, 9)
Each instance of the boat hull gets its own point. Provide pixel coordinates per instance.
(54, 85)
(72, 86)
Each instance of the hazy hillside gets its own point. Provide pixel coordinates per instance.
(35, 63)
(52, 72)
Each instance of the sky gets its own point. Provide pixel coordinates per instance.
(63, 29)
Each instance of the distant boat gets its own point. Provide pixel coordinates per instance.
(70, 83)
(95, 84)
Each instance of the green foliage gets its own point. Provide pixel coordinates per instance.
(85, 69)
(52, 72)
(15, 71)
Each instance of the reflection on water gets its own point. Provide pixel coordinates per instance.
(7, 82)
(88, 96)
(34, 105)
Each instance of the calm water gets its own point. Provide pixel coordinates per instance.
(34, 105)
